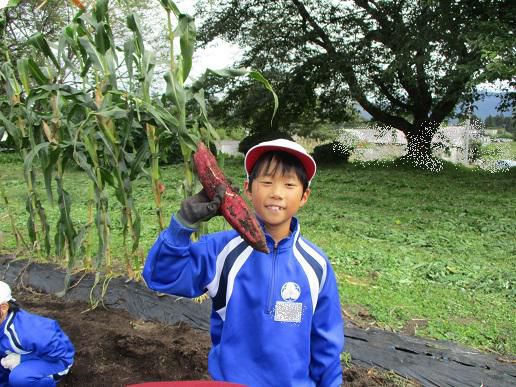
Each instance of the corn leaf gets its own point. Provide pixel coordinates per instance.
(36, 72)
(102, 41)
(138, 162)
(257, 76)
(187, 37)
(133, 24)
(100, 10)
(48, 157)
(81, 159)
(13, 87)
(170, 6)
(29, 158)
(129, 50)
(112, 112)
(189, 141)
(23, 73)
(137, 226)
(162, 116)
(31, 226)
(175, 92)
(44, 225)
(93, 54)
(13, 131)
(78, 241)
(39, 41)
(230, 73)
(65, 230)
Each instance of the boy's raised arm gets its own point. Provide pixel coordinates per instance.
(173, 266)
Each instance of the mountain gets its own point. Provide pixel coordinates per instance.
(487, 106)
(484, 107)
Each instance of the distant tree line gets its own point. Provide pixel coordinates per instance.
(500, 121)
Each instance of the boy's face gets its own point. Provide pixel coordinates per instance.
(276, 198)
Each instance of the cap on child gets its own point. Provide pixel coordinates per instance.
(5, 293)
(281, 144)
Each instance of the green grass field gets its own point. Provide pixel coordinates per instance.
(435, 251)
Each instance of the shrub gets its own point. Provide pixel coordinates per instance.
(332, 153)
(170, 149)
(474, 151)
(255, 138)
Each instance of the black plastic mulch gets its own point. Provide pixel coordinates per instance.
(430, 362)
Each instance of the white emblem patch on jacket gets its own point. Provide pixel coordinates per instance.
(290, 291)
(289, 310)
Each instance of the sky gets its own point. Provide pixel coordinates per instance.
(217, 55)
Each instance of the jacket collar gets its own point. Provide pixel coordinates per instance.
(285, 243)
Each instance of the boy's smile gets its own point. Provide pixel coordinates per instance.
(276, 199)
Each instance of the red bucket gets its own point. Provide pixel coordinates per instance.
(187, 383)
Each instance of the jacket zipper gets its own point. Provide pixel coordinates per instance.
(273, 279)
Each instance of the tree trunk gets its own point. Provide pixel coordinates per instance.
(419, 147)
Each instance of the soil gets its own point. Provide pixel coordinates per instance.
(114, 349)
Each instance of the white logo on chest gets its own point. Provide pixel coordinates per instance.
(290, 291)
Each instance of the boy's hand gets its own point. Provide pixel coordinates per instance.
(10, 361)
(199, 208)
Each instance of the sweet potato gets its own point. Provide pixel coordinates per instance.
(233, 207)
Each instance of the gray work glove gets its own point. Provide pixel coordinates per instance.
(198, 208)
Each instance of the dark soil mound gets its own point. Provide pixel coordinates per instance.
(114, 349)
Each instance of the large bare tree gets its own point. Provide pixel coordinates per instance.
(408, 63)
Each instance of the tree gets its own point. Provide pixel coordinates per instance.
(22, 18)
(489, 121)
(407, 63)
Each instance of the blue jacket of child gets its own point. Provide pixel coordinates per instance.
(36, 337)
(276, 318)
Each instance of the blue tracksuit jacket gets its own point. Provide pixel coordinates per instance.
(35, 338)
(276, 318)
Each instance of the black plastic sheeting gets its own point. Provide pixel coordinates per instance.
(431, 362)
(138, 300)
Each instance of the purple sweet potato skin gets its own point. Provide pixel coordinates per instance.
(233, 208)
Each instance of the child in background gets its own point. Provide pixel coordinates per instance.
(34, 350)
(276, 318)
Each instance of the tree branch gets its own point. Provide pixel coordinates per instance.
(392, 99)
(326, 41)
(349, 75)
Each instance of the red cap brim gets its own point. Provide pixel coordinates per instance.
(256, 152)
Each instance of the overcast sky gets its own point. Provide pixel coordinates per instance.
(217, 55)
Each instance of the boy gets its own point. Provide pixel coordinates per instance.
(34, 350)
(276, 318)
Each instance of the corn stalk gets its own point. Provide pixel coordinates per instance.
(20, 241)
(192, 126)
(75, 107)
(106, 132)
(17, 124)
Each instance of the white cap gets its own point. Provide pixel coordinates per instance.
(281, 144)
(5, 293)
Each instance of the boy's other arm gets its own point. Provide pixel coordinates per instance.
(327, 337)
